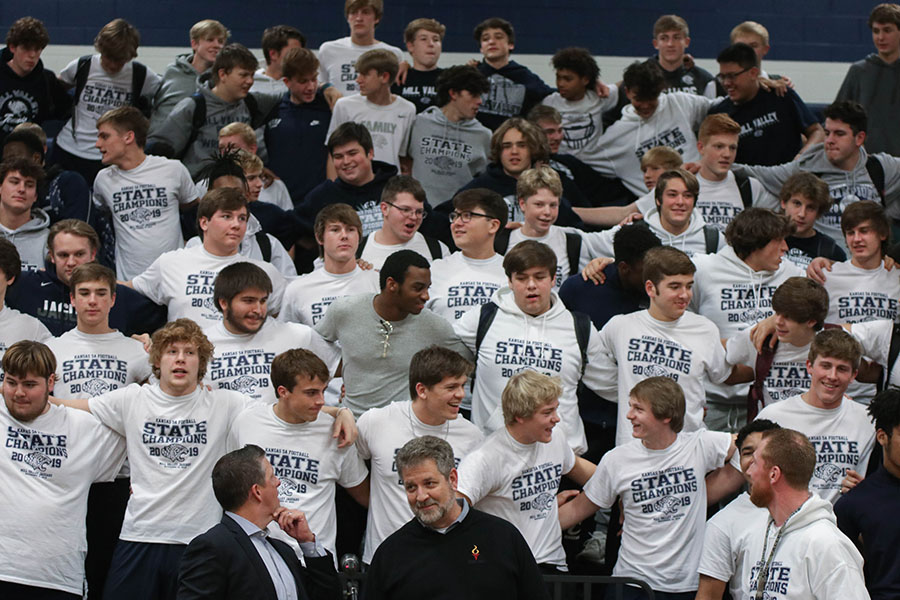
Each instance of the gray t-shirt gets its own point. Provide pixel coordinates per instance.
(376, 365)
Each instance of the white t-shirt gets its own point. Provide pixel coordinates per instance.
(663, 495)
(382, 432)
(308, 297)
(726, 542)
(518, 482)
(173, 443)
(843, 438)
(264, 84)
(88, 365)
(277, 194)
(102, 92)
(183, 280)
(875, 338)
(337, 62)
(243, 362)
(582, 122)
(556, 239)
(688, 351)
(857, 295)
(16, 326)
(47, 469)
(144, 202)
(460, 284)
(788, 375)
(376, 253)
(390, 124)
(308, 462)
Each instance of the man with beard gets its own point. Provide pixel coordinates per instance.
(789, 559)
(446, 532)
(246, 342)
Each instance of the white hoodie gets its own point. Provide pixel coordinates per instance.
(517, 341)
(692, 241)
(812, 560)
(673, 124)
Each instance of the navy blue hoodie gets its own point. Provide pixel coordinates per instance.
(515, 90)
(42, 295)
(34, 98)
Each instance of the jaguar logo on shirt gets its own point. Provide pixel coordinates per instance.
(37, 461)
(174, 441)
(95, 387)
(244, 384)
(174, 452)
(668, 505)
(828, 472)
(140, 215)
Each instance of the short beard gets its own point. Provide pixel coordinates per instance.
(761, 497)
(433, 516)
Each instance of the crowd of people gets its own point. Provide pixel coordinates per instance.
(472, 328)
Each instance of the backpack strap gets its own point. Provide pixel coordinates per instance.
(825, 246)
(743, 185)
(764, 360)
(486, 315)
(876, 174)
(265, 245)
(573, 251)
(138, 76)
(81, 76)
(198, 119)
(434, 247)
(711, 238)
(583, 326)
(893, 352)
(362, 246)
(501, 241)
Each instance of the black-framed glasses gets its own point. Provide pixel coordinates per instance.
(407, 211)
(466, 215)
(387, 328)
(723, 77)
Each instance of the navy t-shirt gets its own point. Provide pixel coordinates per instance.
(419, 88)
(771, 126)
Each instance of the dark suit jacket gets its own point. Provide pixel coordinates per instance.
(223, 563)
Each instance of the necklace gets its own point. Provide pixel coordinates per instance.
(763, 576)
(412, 426)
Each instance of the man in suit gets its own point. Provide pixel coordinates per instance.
(236, 559)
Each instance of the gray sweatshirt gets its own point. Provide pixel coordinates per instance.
(30, 239)
(447, 155)
(876, 85)
(179, 81)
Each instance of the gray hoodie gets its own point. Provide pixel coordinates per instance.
(179, 81)
(845, 186)
(30, 239)
(876, 85)
(176, 130)
(447, 155)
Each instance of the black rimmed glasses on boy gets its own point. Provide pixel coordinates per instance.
(466, 215)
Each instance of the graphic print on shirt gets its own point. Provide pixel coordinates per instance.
(663, 493)
(786, 380)
(534, 490)
(17, 106)
(94, 374)
(466, 294)
(757, 127)
(445, 156)
(858, 306)
(174, 442)
(505, 98)
(674, 138)
(348, 76)
(99, 97)
(843, 195)
(718, 214)
(243, 371)
(296, 470)
(652, 356)
(317, 309)
(776, 585)
(140, 206)
(746, 303)
(835, 454)
(38, 453)
(517, 354)
(578, 130)
(199, 288)
(370, 215)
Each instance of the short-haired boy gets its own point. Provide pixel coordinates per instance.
(865, 81)
(577, 101)
(181, 78)
(423, 38)
(388, 117)
(338, 57)
(31, 93)
(515, 474)
(104, 81)
(805, 198)
(671, 37)
(21, 222)
(276, 42)
(659, 475)
(515, 89)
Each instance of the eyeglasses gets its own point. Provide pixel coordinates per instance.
(466, 216)
(387, 328)
(407, 211)
(723, 77)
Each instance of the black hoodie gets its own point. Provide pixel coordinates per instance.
(35, 98)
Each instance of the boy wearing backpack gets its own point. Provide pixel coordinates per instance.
(526, 326)
(191, 132)
(104, 81)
